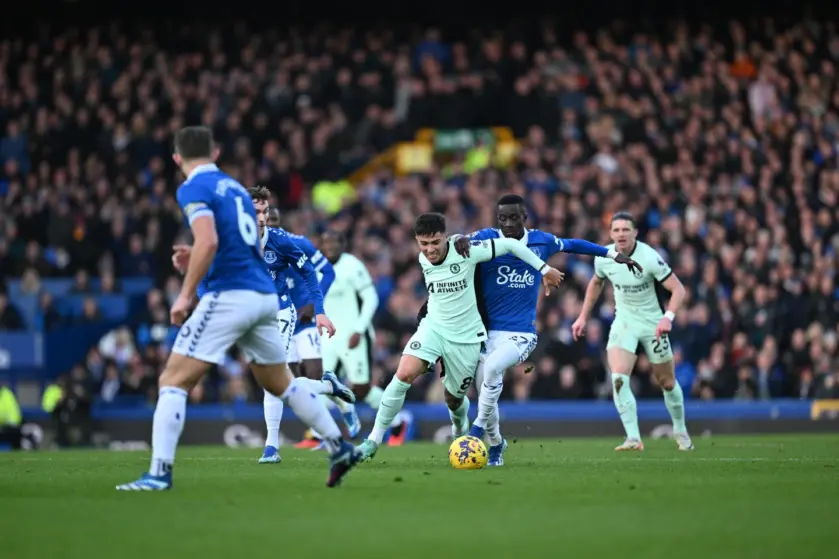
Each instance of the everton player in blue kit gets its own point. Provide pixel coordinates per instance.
(286, 257)
(304, 355)
(238, 306)
(510, 293)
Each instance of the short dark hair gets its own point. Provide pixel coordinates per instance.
(427, 225)
(194, 142)
(624, 216)
(260, 193)
(511, 200)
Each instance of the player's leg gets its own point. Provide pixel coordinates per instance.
(203, 339)
(620, 353)
(504, 350)
(311, 352)
(358, 364)
(262, 347)
(660, 355)
(461, 361)
(424, 347)
(272, 406)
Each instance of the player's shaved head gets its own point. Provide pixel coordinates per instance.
(332, 244)
(511, 200)
(511, 215)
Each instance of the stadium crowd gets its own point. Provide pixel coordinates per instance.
(722, 141)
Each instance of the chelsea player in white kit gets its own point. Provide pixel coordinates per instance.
(351, 304)
(238, 305)
(639, 319)
(453, 330)
(510, 293)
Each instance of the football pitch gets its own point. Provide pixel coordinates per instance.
(739, 497)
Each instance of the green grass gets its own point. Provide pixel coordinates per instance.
(739, 497)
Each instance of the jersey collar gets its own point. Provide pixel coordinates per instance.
(205, 168)
(523, 237)
(265, 237)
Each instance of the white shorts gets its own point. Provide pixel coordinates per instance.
(352, 365)
(223, 318)
(305, 345)
(511, 347)
(286, 319)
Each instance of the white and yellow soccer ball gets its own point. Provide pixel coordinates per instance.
(468, 453)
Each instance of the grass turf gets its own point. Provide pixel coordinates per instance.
(740, 497)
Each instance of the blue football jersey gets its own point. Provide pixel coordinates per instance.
(283, 256)
(237, 263)
(511, 287)
(300, 295)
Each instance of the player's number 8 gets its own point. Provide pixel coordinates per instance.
(247, 224)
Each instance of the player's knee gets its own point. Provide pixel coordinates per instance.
(453, 402)
(178, 377)
(361, 391)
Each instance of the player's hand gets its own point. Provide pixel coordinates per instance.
(663, 328)
(306, 313)
(578, 329)
(551, 278)
(630, 263)
(180, 257)
(355, 339)
(180, 310)
(322, 323)
(462, 246)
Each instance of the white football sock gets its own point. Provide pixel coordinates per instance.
(316, 386)
(307, 406)
(272, 407)
(167, 426)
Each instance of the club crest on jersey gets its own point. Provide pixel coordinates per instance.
(454, 268)
(637, 273)
(536, 251)
(270, 256)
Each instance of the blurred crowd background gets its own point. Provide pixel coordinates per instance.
(721, 139)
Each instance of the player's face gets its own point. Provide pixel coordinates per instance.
(261, 214)
(623, 234)
(273, 219)
(433, 247)
(330, 246)
(511, 221)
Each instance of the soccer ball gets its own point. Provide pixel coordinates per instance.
(468, 453)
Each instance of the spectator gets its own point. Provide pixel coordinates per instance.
(719, 138)
(10, 318)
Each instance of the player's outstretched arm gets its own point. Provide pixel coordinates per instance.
(550, 276)
(593, 291)
(581, 246)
